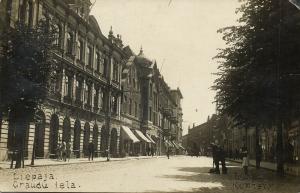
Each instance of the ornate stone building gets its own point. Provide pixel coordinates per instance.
(103, 93)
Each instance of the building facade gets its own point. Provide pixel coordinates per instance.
(103, 93)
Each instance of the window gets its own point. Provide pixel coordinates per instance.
(27, 13)
(115, 70)
(55, 82)
(88, 94)
(98, 62)
(106, 63)
(102, 64)
(96, 98)
(80, 50)
(150, 114)
(135, 109)
(101, 98)
(78, 90)
(69, 43)
(114, 104)
(90, 56)
(57, 35)
(130, 106)
(151, 90)
(67, 89)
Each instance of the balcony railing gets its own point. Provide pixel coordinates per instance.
(55, 96)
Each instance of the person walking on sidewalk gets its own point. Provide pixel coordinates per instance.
(258, 155)
(215, 158)
(245, 159)
(222, 155)
(64, 151)
(68, 150)
(91, 150)
(58, 151)
(168, 152)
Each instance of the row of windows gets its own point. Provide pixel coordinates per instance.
(87, 92)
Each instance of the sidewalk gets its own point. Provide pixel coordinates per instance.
(54, 162)
(288, 168)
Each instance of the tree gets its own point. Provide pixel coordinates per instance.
(26, 72)
(255, 85)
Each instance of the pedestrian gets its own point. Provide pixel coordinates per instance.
(222, 156)
(64, 151)
(148, 151)
(258, 155)
(289, 152)
(245, 162)
(215, 158)
(236, 155)
(58, 151)
(91, 150)
(68, 150)
(168, 152)
(152, 151)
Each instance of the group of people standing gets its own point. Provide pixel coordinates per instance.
(64, 151)
(150, 151)
(218, 155)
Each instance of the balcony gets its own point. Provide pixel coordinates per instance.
(70, 56)
(89, 69)
(80, 63)
(166, 111)
(55, 96)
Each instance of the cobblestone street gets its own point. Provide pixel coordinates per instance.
(178, 174)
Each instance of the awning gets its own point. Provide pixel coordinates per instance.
(142, 136)
(175, 145)
(181, 146)
(149, 137)
(169, 144)
(130, 135)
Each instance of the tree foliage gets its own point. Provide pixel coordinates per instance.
(28, 66)
(259, 68)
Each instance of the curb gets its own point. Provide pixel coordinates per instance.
(252, 165)
(85, 162)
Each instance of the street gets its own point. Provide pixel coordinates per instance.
(178, 174)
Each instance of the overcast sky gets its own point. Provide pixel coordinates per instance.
(181, 35)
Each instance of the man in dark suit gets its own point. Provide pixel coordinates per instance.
(91, 150)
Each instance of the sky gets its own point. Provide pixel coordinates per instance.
(181, 35)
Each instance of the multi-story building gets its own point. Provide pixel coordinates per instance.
(103, 93)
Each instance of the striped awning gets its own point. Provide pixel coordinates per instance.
(130, 135)
(149, 137)
(142, 136)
